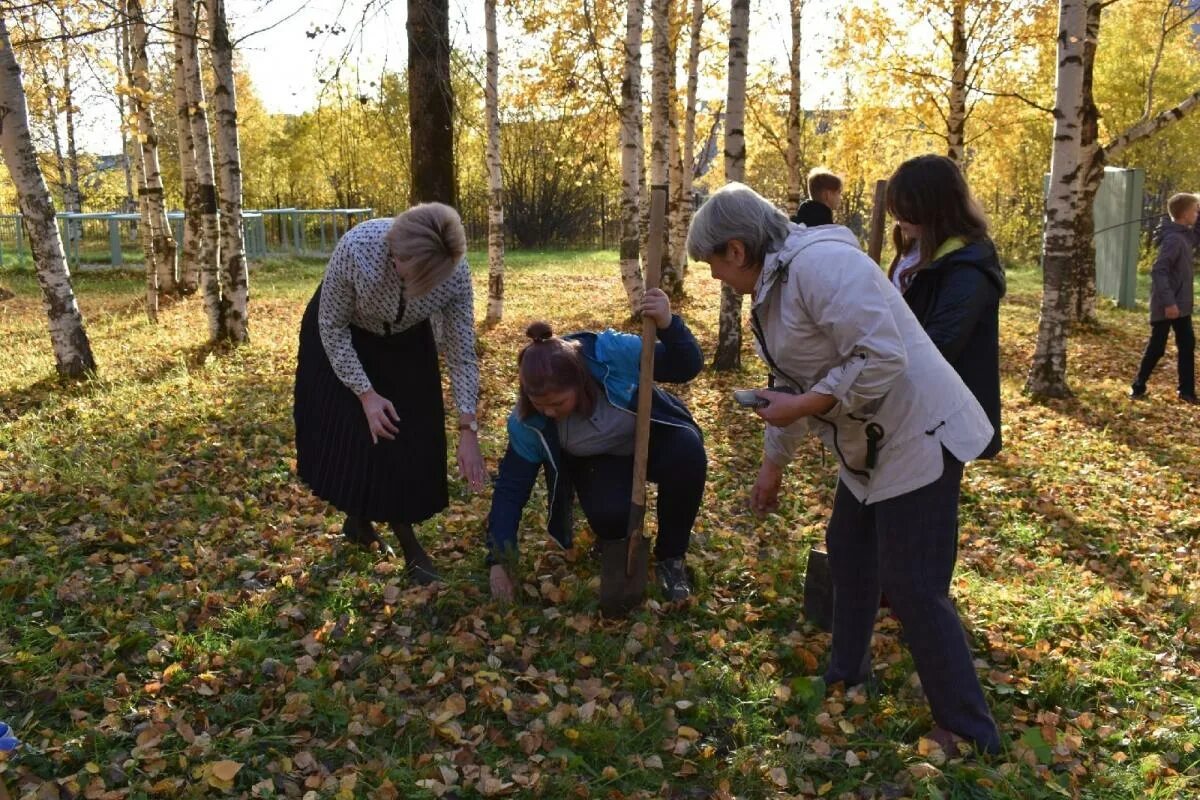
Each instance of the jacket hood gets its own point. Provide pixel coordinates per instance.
(982, 256)
(799, 238)
(1169, 227)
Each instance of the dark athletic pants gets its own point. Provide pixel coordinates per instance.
(676, 462)
(906, 547)
(1185, 343)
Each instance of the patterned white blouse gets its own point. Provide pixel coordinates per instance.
(362, 288)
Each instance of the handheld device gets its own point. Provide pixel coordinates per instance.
(749, 398)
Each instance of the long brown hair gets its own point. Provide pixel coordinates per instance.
(930, 191)
(551, 363)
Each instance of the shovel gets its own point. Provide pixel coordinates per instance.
(624, 563)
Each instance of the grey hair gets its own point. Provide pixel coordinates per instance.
(735, 211)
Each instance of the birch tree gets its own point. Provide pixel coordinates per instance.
(684, 199)
(72, 195)
(201, 201)
(68, 337)
(160, 257)
(495, 308)
(631, 155)
(1076, 170)
(235, 288)
(795, 109)
(956, 96)
(660, 109)
(1173, 19)
(189, 262)
(729, 332)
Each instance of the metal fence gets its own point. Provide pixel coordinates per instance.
(112, 238)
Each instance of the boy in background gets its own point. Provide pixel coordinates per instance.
(825, 194)
(1171, 296)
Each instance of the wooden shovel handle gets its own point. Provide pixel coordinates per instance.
(641, 442)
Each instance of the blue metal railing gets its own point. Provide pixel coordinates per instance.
(112, 237)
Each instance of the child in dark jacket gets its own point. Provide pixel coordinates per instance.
(824, 195)
(1171, 296)
(575, 419)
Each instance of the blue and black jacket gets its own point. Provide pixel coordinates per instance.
(613, 359)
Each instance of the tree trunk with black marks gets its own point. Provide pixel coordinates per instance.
(201, 201)
(1048, 372)
(631, 156)
(660, 112)
(956, 111)
(189, 262)
(72, 351)
(235, 280)
(161, 254)
(687, 155)
(495, 307)
(729, 333)
(795, 112)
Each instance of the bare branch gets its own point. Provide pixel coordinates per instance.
(1148, 127)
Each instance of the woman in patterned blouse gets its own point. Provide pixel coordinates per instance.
(370, 422)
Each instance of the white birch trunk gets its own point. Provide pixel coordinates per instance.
(60, 161)
(1048, 372)
(687, 155)
(956, 113)
(631, 134)
(234, 276)
(729, 332)
(202, 205)
(675, 258)
(660, 111)
(1082, 283)
(123, 68)
(68, 337)
(72, 196)
(139, 202)
(795, 111)
(495, 308)
(162, 250)
(189, 263)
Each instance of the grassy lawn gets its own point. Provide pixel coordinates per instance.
(178, 617)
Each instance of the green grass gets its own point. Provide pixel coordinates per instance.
(171, 597)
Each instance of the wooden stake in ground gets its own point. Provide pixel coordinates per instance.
(878, 215)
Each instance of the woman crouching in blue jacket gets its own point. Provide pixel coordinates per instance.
(575, 418)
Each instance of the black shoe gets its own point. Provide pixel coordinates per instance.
(673, 579)
(1137, 392)
(1190, 399)
(362, 533)
(421, 574)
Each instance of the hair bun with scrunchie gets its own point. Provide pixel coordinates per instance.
(540, 331)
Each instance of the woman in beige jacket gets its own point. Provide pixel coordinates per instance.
(855, 366)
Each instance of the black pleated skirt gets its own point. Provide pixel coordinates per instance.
(396, 480)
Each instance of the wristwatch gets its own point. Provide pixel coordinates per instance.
(472, 426)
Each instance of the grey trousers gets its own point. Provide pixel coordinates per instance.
(906, 547)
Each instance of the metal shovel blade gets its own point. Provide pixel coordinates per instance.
(624, 571)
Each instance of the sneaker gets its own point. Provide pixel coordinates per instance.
(1190, 399)
(1137, 392)
(673, 579)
